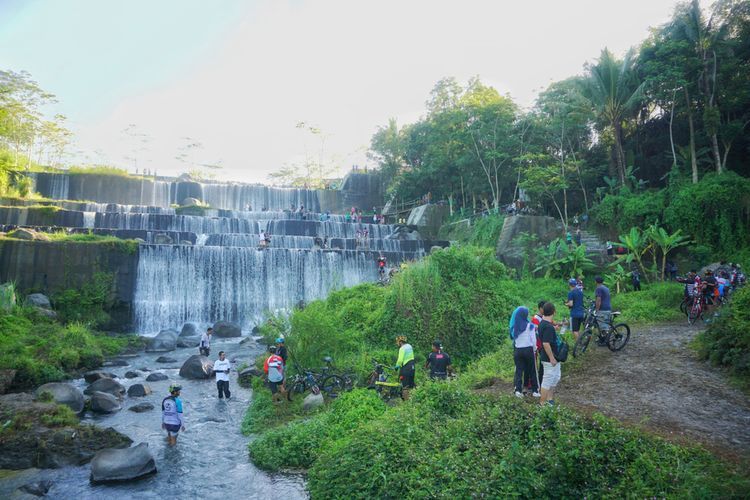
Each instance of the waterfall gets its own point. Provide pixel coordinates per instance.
(89, 220)
(239, 196)
(180, 283)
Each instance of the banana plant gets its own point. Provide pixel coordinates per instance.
(618, 277)
(637, 243)
(666, 243)
(560, 260)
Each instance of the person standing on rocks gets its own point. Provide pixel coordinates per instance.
(172, 419)
(205, 346)
(221, 369)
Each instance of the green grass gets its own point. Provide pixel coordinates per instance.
(42, 350)
(101, 170)
(129, 247)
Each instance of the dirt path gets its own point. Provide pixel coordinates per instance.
(657, 383)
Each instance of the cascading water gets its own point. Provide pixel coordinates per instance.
(239, 196)
(89, 220)
(177, 284)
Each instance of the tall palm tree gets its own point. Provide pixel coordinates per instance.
(614, 91)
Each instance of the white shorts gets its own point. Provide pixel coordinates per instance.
(551, 375)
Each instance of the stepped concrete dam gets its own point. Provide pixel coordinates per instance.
(201, 262)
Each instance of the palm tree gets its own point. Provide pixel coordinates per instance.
(614, 91)
(666, 243)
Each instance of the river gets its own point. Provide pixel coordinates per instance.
(211, 457)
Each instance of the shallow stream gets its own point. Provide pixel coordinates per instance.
(211, 457)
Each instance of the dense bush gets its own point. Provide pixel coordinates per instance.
(714, 212)
(88, 304)
(455, 295)
(452, 444)
(726, 342)
(42, 350)
(619, 212)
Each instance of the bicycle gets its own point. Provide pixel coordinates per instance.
(697, 307)
(348, 377)
(615, 338)
(378, 381)
(330, 385)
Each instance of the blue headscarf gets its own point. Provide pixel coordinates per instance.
(519, 321)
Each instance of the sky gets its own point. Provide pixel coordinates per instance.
(144, 83)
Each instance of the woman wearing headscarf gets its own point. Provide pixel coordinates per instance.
(523, 336)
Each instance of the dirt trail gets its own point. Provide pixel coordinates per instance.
(657, 383)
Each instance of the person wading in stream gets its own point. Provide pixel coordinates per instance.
(172, 419)
(205, 346)
(221, 369)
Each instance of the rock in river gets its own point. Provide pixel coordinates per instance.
(197, 367)
(188, 341)
(132, 374)
(91, 377)
(139, 390)
(225, 329)
(38, 489)
(141, 407)
(122, 464)
(107, 385)
(190, 330)
(164, 342)
(103, 402)
(64, 394)
(156, 377)
(165, 359)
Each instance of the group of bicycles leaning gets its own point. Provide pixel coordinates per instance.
(703, 294)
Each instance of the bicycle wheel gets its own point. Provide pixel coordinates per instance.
(618, 337)
(297, 387)
(582, 343)
(695, 312)
(685, 306)
(332, 386)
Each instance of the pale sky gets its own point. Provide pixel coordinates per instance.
(237, 76)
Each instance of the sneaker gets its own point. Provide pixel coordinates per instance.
(537, 395)
(551, 402)
(519, 394)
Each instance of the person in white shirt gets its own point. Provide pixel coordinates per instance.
(221, 369)
(205, 346)
(523, 335)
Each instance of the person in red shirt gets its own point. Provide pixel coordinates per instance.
(274, 370)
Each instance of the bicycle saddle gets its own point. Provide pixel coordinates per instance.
(616, 313)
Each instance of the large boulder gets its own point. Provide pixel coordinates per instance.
(122, 464)
(139, 390)
(103, 402)
(37, 489)
(197, 367)
(156, 377)
(165, 341)
(64, 394)
(6, 380)
(93, 376)
(245, 377)
(226, 329)
(132, 374)
(428, 218)
(188, 341)
(312, 401)
(38, 300)
(107, 385)
(190, 330)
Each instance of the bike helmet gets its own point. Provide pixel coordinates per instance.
(401, 338)
(174, 388)
(572, 282)
(280, 340)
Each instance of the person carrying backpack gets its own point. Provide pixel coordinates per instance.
(523, 336)
(274, 370)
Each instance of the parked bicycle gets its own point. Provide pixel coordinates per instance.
(378, 381)
(616, 337)
(330, 385)
(697, 306)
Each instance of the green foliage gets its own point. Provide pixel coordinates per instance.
(486, 231)
(101, 170)
(88, 304)
(656, 302)
(129, 247)
(42, 350)
(560, 260)
(448, 437)
(7, 296)
(620, 212)
(714, 212)
(59, 416)
(726, 342)
(298, 445)
(456, 296)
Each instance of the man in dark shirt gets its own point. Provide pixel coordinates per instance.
(281, 349)
(438, 362)
(603, 307)
(548, 354)
(575, 303)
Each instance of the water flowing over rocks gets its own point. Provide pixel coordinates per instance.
(64, 394)
(122, 464)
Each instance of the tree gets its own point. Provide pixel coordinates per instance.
(541, 176)
(666, 243)
(613, 89)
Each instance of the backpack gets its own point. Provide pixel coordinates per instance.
(275, 370)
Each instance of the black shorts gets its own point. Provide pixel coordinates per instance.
(173, 428)
(406, 375)
(274, 386)
(575, 324)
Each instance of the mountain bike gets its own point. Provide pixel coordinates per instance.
(698, 306)
(330, 385)
(615, 337)
(378, 381)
